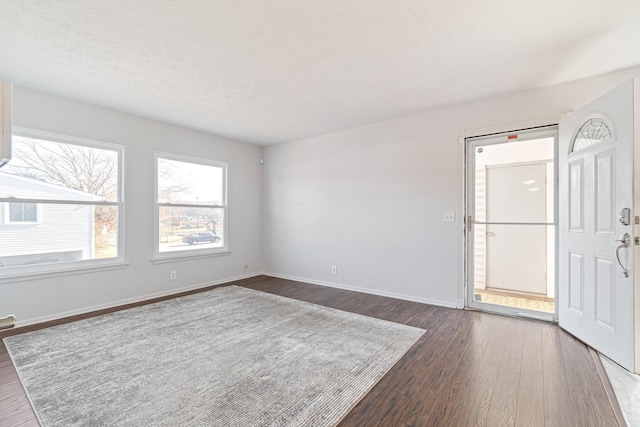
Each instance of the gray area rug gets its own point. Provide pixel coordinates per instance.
(226, 357)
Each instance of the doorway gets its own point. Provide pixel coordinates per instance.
(511, 223)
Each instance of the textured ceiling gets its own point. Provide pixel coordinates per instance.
(279, 70)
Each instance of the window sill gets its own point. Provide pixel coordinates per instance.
(68, 271)
(174, 257)
(19, 223)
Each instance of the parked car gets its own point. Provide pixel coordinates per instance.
(194, 239)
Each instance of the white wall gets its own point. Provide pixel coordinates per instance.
(35, 300)
(370, 200)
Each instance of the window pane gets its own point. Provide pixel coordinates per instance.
(105, 228)
(192, 183)
(29, 212)
(60, 169)
(50, 170)
(183, 229)
(593, 131)
(15, 212)
(65, 233)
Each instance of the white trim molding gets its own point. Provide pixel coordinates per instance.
(440, 303)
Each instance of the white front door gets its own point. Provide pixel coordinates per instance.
(596, 298)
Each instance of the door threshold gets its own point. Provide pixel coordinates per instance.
(516, 301)
(546, 318)
(504, 311)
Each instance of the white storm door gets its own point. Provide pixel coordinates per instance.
(596, 300)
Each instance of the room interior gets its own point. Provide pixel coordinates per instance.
(342, 125)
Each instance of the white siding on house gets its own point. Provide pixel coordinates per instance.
(480, 230)
(61, 232)
(60, 229)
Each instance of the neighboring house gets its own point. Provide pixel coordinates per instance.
(43, 233)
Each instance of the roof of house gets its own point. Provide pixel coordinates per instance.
(22, 187)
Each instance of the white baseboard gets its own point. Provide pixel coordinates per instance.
(460, 304)
(448, 304)
(131, 300)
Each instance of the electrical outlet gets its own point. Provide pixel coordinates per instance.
(334, 269)
(173, 275)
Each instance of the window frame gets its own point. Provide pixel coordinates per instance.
(28, 272)
(196, 252)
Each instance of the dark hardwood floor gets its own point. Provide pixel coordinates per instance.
(468, 369)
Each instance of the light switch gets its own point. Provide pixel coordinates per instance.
(449, 216)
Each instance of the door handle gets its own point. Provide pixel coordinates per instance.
(625, 242)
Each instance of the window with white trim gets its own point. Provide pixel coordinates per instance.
(191, 206)
(21, 213)
(62, 204)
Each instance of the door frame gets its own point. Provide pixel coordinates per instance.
(470, 144)
(636, 213)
